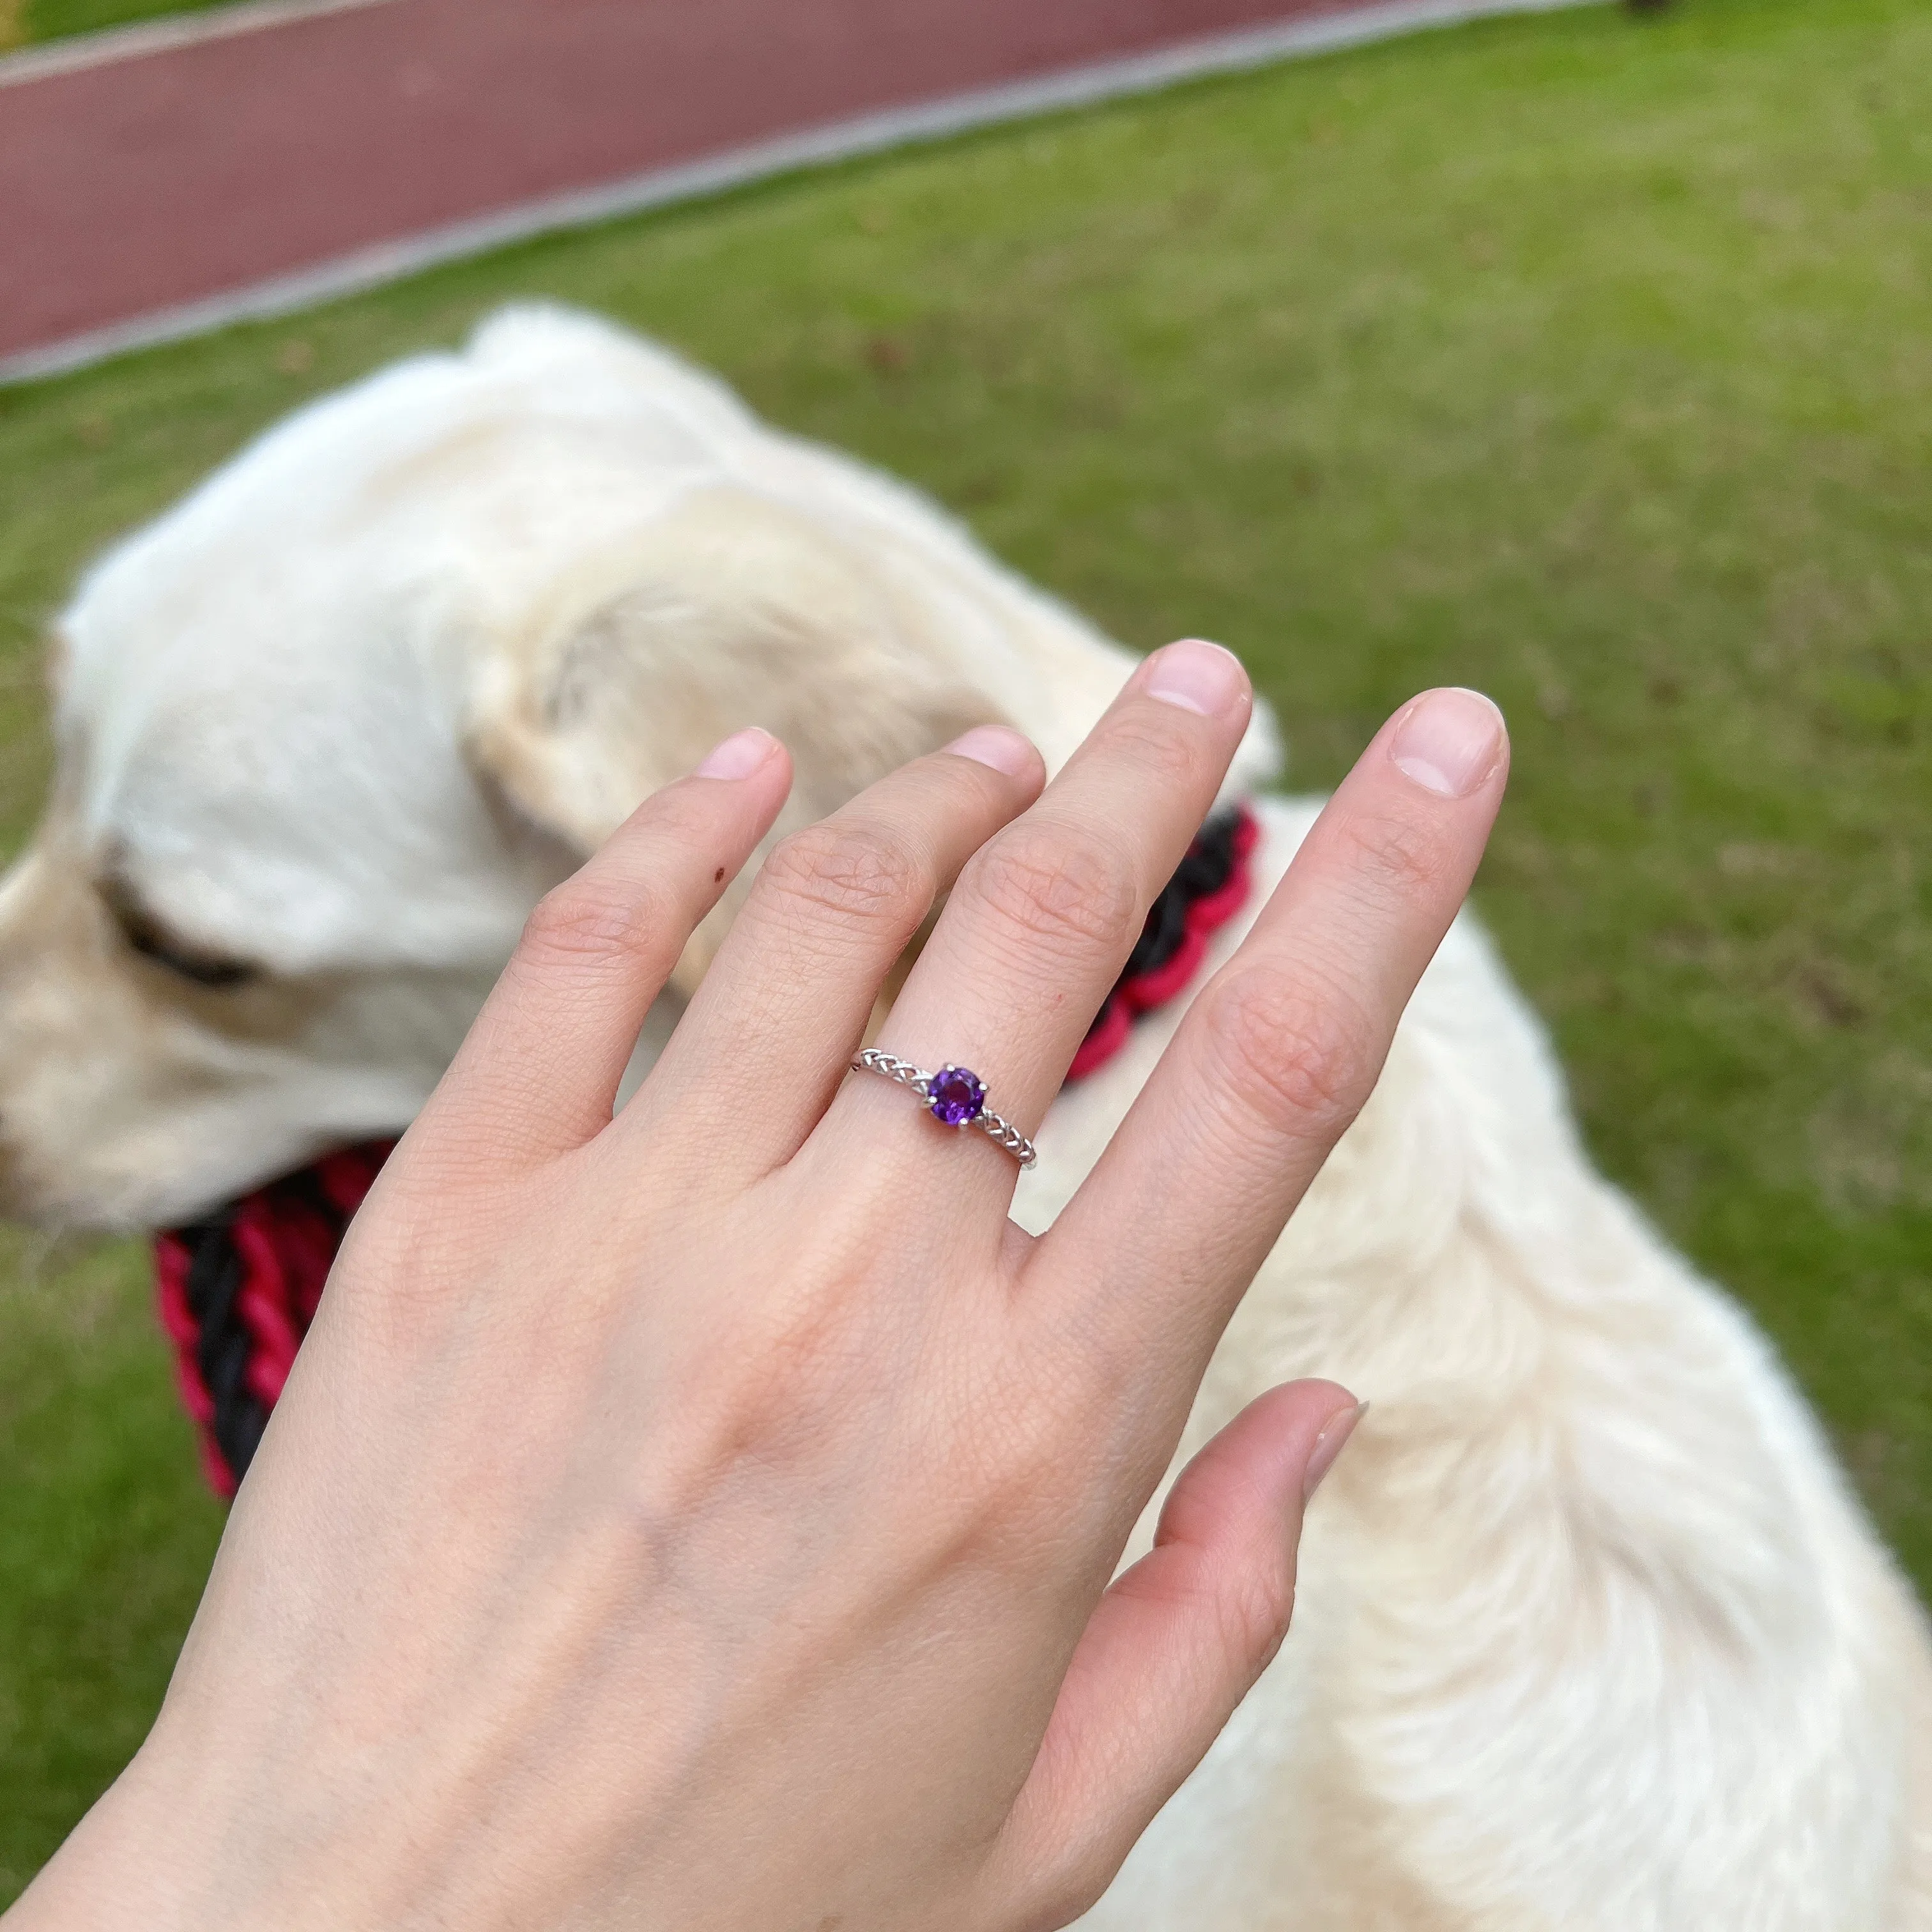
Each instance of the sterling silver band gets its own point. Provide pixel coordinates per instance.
(950, 1103)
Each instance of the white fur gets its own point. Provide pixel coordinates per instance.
(1592, 1633)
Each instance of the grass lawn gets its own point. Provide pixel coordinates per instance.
(1584, 359)
(24, 21)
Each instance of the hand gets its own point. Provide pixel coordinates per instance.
(704, 1517)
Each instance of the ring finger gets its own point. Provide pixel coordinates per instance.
(765, 1041)
(1045, 916)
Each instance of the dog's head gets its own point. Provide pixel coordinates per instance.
(329, 728)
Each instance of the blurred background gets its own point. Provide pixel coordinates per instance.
(1583, 355)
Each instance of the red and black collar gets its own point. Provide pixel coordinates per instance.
(1210, 885)
(238, 1290)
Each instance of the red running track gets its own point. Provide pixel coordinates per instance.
(149, 181)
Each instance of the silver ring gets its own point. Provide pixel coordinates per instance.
(955, 1097)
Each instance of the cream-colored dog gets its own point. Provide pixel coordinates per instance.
(1592, 1633)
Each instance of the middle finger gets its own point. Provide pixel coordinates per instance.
(1043, 918)
(765, 1040)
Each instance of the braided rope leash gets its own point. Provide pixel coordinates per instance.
(238, 1291)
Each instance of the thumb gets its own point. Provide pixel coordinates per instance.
(1171, 1649)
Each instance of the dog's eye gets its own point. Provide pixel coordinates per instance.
(149, 935)
(202, 969)
(152, 940)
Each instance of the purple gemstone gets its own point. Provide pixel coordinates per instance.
(955, 1096)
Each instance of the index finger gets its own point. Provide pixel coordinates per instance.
(1284, 1044)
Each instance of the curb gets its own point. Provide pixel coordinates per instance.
(82, 51)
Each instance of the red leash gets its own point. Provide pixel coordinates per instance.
(238, 1291)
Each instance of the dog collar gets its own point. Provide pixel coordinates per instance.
(1209, 886)
(238, 1291)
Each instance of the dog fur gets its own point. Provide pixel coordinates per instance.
(1592, 1635)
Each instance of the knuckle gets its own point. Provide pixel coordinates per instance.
(584, 923)
(1145, 735)
(1068, 894)
(857, 875)
(1399, 857)
(1058, 1897)
(1298, 1054)
(1255, 1611)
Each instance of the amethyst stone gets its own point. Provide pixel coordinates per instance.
(955, 1096)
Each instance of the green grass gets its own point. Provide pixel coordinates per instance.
(1586, 360)
(24, 21)
(106, 1535)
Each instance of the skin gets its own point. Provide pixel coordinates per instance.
(706, 1515)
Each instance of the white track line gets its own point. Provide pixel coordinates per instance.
(159, 37)
(812, 147)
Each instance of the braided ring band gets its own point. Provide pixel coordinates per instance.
(954, 1096)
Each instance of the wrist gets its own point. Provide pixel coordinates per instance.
(111, 1871)
(144, 1859)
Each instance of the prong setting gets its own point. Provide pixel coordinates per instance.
(955, 1097)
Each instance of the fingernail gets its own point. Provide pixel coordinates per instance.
(995, 745)
(1197, 676)
(740, 755)
(1330, 1444)
(1448, 741)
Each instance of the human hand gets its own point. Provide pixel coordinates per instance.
(704, 1517)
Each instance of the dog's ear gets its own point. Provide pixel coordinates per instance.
(730, 609)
